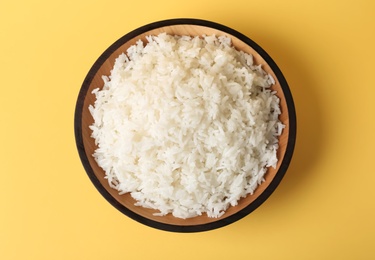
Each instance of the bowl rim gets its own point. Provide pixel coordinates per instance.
(171, 227)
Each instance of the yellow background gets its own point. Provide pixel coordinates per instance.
(323, 209)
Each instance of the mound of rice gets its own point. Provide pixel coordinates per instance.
(186, 125)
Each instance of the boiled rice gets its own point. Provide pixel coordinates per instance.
(186, 125)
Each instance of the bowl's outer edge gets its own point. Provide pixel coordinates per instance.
(203, 227)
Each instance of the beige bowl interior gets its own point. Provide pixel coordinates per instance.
(126, 200)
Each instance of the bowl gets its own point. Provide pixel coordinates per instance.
(125, 203)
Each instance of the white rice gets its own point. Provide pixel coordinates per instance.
(186, 125)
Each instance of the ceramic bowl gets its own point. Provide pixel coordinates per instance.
(125, 203)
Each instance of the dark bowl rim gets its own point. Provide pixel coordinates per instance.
(170, 227)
